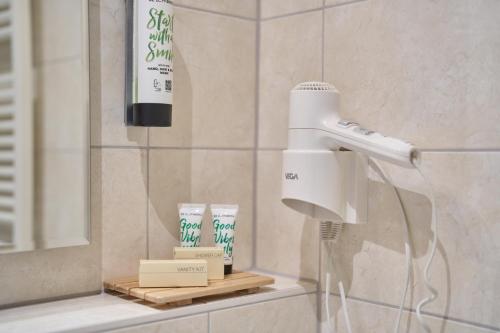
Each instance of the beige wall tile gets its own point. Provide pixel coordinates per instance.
(247, 8)
(51, 41)
(123, 213)
(290, 53)
(169, 184)
(29, 276)
(192, 324)
(292, 315)
(366, 317)
(287, 242)
(112, 53)
(214, 88)
(424, 71)
(269, 8)
(225, 177)
(107, 121)
(465, 270)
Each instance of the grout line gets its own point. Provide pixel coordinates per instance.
(256, 138)
(319, 291)
(291, 14)
(167, 148)
(343, 4)
(116, 147)
(202, 148)
(272, 149)
(215, 12)
(323, 7)
(411, 310)
(288, 276)
(460, 150)
(423, 150)
(323, 43)
(209, 321)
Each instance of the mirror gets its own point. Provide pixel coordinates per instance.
(44, 124)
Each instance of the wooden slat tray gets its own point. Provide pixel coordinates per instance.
(238, 281)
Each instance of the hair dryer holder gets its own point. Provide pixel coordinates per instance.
(326, 184)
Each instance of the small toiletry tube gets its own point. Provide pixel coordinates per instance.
(213, 255)
(223, 219)
(173, 273)
(190, 218)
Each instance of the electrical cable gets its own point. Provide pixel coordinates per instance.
(408, 252)
(343, 302)
(344, 307)
(327, 303)
(330, 232)
(433, 292)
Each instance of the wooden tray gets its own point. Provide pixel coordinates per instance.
(238, 281)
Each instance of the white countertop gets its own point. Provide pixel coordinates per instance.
(105, 312)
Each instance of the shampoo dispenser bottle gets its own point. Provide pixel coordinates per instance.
(149, 63)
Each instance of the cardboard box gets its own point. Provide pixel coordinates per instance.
(173, 273)
(213, 255)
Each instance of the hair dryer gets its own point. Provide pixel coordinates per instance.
(325, 174)
(325, 166)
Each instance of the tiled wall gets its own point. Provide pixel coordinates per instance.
(290, 53)
(289, 314)
(208, 155)
(425, 71)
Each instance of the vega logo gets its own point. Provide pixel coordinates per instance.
(291, 176)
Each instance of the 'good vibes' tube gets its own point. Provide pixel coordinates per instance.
(190, 217)
(224, 218)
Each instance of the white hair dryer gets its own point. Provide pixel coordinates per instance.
(319, 179)
(325, 174)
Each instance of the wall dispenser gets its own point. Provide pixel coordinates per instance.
(149, 63)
